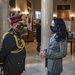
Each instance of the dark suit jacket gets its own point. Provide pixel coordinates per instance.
(38, 33)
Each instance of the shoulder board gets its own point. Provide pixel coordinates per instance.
(5, 35)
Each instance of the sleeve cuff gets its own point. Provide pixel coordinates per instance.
(1, 63)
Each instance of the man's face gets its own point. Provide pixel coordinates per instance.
(18, 26)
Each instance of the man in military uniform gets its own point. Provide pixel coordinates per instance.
(13, 53)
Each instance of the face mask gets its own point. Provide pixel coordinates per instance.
(53, 29)
(20, 27)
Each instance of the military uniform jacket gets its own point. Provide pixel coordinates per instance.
(12, 53)
(54, 54)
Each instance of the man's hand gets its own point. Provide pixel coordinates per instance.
(42, 53)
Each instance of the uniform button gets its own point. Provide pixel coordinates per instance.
(18, 62)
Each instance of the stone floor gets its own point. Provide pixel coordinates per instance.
(35, 63)
(36, 66)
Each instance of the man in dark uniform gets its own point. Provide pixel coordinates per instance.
(13, 53)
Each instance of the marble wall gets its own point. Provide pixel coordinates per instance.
(72, 10)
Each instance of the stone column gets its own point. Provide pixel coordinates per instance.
(4, 14)
(46, 18)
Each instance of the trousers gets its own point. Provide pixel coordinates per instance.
(38, 46)
(48, 73)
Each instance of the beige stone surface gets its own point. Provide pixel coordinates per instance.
(4, 14)
(46, 18)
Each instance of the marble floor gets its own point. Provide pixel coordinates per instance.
(35, 63)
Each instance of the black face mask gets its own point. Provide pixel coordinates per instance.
(53, 29)
(20, 27)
